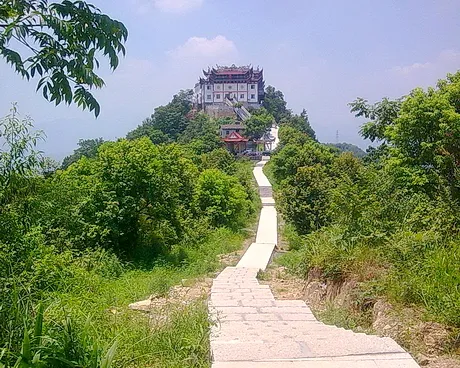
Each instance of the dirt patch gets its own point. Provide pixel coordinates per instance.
(186, 293)
(431, 343)
(284, 286)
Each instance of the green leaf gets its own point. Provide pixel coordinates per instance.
(107, 360)
(26, 348)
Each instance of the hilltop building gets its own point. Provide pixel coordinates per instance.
(235, 84)
(232, 91)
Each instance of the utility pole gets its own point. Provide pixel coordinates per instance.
(337, 137)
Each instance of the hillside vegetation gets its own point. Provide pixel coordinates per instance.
(348, 147)
(121, 221)
(391, 222)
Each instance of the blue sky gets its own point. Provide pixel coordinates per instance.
(321, 54)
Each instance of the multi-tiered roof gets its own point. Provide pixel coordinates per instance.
(233, 74)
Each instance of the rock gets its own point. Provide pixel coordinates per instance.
(142, 306)
(187, 282)
(422, 360)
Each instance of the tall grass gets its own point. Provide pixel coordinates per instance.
(410, 268)
(88, 323)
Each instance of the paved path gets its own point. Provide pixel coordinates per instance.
(253, 330)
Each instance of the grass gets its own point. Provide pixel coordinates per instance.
(345, 318)
(408, 268)
(92, 315)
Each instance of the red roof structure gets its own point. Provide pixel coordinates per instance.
(234, 137)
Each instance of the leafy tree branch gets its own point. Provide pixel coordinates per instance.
(63, 42)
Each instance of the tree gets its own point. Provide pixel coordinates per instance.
(86, 148)
(348, 147)
(304, 198)
(275, 104)
(382, 114)
(421, 133)
(293, 156)
(60, 43)
(427, 133)
(20, 159)
(301, 123)
(147, 130)
(258, 124)
(202, 134)
(290, 135)
(171, 120)
(221, 199)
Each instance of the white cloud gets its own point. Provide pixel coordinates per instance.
(204, 50)
(446, 61)
(408, 69)
(167, 6)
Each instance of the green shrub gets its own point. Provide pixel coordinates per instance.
(303, 198)
(221, 198)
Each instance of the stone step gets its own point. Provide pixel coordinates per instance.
(309, 347)
(356, 361)
(272, 330)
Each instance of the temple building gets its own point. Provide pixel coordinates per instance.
(227, 85)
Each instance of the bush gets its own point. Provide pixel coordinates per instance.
(303, 198)
(221, 198)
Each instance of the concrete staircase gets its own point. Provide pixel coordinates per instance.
(241, 112)
(252, 329)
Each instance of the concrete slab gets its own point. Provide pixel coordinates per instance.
(267, 201)
(267, 232)
(265, 192)
(262, 180)
(364, 361)
(257, 256)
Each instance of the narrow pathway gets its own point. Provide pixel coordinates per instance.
(255, 330)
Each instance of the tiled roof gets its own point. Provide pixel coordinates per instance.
(232, 126)
(235, 137)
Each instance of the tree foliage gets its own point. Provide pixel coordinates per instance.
(348, 147)
(86, 148)
(420, 133)
(381, 114)
(65, 233)
(258, 124)
(168, 122)
(60, 43)
(275, 104)
(300, 123)
(221, 199)
(20, 159)
(202, 134)
(391, 219)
